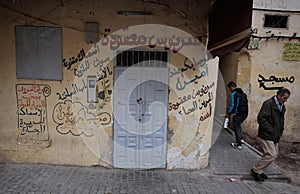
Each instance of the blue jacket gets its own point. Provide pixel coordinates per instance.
(233, 101)
(233, 109)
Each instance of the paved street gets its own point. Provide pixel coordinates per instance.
(226, 160)
(228, 173)
(29, 178)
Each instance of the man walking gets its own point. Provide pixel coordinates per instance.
(239, 110)
(271, 126)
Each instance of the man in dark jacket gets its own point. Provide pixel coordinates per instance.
(239, 109)
(271, 126)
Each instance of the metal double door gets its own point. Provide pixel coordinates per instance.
(140, 117)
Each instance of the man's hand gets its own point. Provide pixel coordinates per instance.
(229, 115)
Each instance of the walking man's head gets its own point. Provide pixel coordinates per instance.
(283, 95)
(231, 85)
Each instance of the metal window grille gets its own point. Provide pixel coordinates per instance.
(276, 21)
(143, 58)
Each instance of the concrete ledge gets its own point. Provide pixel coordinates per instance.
(275, 178)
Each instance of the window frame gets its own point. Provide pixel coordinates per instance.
(287, 17)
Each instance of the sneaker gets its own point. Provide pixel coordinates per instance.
(259, 177)
(235, 145)
(242, 140)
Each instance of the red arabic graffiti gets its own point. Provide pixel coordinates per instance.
(32, 112)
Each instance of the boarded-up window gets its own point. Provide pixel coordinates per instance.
(39, 52)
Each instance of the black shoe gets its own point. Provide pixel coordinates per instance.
(264, 176)
(258, 177)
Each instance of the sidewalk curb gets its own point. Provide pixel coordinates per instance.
(275, 178)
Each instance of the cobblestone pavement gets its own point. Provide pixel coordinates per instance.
(31, 178)
(41, 178)
(223, 176)
(229, 161)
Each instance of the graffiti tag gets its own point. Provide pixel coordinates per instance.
(273, 79)
(74, 118)
(173, 42)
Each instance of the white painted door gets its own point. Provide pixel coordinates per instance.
(140, 117)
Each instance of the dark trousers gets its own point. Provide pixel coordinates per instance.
(238, 119)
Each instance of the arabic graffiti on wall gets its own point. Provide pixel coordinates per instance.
(196, 66)
(74, 118)
(196, 100)
(173, 42)
(80, 56)
(76, 88)
(32, 114)
(198, 104)
(81, 86)
(73, 60)
(269, 83)
(85, 64)
(193, 96)
(97, 64)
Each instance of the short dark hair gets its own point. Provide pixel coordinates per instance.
(282, 91)
(231, 84)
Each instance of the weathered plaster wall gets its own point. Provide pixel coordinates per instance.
(48, 146)
(67, 123)
(191, 111)
(291, 5)
(261, 70)
(267, 62)
(228, 68)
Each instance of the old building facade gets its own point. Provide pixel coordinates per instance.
(110, 83)
(269, 62)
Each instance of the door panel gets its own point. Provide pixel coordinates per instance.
(126, 143)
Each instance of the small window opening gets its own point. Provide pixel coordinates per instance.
(142, 58)
(276, 21)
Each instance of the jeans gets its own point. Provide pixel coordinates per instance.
(237, 121)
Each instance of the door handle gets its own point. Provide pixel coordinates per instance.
(139, 100)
